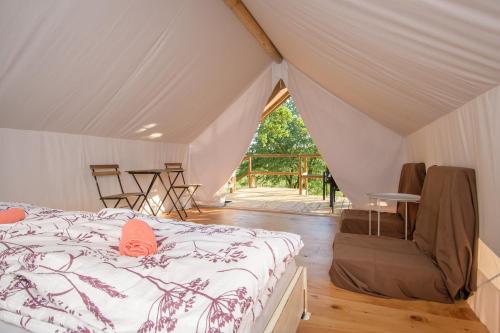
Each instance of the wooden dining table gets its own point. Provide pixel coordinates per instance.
(156, 175)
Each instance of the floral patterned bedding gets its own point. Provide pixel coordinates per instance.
(61, 272)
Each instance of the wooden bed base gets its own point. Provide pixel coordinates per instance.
(292, 307)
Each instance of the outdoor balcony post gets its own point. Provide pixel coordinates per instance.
(300, 174)
(250, 176)
(306, 171)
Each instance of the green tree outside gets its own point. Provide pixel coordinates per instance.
(282, 132)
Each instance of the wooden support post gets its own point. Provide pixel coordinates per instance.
(306, 171)
(300, 175)
(250, 171)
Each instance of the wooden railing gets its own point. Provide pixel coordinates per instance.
(302, 169)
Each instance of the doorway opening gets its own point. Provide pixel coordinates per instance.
(283, 169)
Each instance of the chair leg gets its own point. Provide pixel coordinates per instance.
(172, 183)
(128, 202)
(104, 202)
(191, 199)
(117, 202)
(135, 202)
(178, 200)
(177, 197)
(194, 201)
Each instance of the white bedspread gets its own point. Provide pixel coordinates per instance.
(61, 272)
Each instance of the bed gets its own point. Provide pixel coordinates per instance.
(61, 272)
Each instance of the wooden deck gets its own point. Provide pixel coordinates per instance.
(341, 311)
(283, 200)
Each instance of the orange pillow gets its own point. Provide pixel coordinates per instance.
(12, 215)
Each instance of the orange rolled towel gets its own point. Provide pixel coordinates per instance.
(12, 215)
(138, 239)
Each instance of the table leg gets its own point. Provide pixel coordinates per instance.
(135, 202)
(168, 189)
(369, 217)
(147, 192)
(406, 220)
(378, 217)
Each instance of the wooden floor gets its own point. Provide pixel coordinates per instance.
(337, 310)
(285, 200)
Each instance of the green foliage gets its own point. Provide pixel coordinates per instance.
(282, 132)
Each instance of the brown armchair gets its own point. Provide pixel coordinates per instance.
(439, 264)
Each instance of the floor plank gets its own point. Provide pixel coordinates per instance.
(341, 311)
(285, 200)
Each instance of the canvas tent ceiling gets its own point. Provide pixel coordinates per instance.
(404, 63)
(108, 68)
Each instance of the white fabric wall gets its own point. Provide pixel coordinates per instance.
(362, 155)
(218, 150)
(470, 137)
(52, 169)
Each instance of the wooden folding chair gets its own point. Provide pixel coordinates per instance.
(103, 170)
(190, 189)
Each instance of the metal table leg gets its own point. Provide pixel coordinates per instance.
(135, 202)
(406, 220)
(147, 192)
(378, 217)
(369, 217)
(168, 189)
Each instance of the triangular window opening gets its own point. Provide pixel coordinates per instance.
(282, 169)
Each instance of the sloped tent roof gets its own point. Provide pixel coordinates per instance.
(403, 63)
(108, 68)
(112, 68)
(105, 69)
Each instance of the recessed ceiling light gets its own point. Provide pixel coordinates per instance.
(140, 130)
(149, 126)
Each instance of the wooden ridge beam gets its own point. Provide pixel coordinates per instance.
(247, 19)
